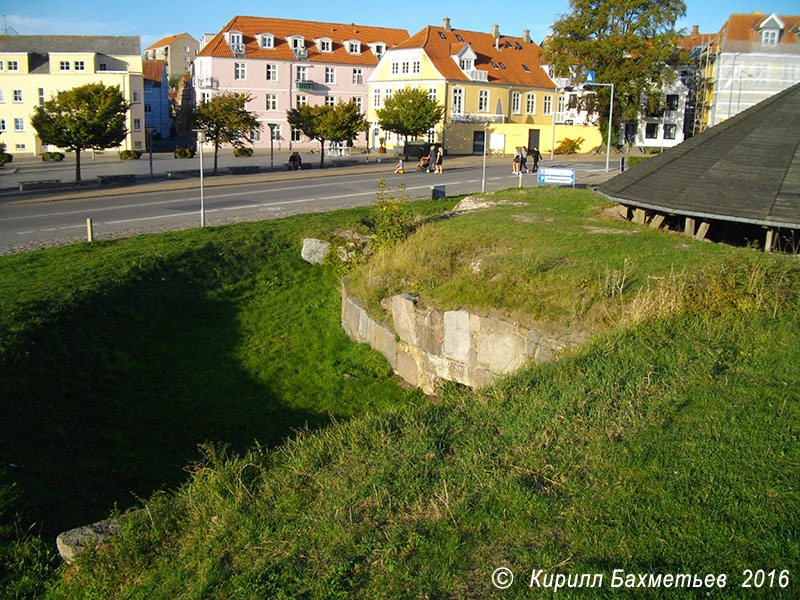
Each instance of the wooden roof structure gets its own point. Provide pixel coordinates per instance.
(746, 170)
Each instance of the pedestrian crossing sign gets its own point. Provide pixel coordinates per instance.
(589, 76)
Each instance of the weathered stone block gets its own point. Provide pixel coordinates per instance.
(407, 368)
(431, 331)
(363, 325)
(314, 250)
(456, 335)
(474, 323)
(385, 343)
(404, 317)
(548, 350)
(532, 343)
(71, 543)
(501, 352)
(477, 377)
(351, 318)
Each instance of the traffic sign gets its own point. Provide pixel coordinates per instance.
(562, 176)
(589, 76)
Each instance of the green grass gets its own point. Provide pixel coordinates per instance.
(669, 445)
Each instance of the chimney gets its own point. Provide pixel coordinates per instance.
(446, 24)
(526, 36)
(496, 36)
(695, 30)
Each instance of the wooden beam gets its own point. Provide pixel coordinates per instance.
(657, 221)
(702, 230)
(688, 227)
(770, 243)
(639, 215)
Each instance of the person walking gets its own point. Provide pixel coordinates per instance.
(439, 158)
(523, 159)
(432, 158)
(536, 156)
(515, 162)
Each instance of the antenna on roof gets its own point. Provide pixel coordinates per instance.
(5, 29)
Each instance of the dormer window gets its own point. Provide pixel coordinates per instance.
(297, 42)
(769, 37)
(324, 44)
(353, 46)
(770, 29)
(267, 40)
(466, 64)
(378, 49)
(234, 37)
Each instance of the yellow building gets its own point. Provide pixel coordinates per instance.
(34, 68)
(487, 83)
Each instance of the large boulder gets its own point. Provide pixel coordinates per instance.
(315, 251)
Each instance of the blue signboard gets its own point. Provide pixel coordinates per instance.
(589, 76)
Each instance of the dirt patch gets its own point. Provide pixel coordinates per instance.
(592, 229)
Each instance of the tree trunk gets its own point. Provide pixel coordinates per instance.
(78, 166)
(321, 154)
(216, 153)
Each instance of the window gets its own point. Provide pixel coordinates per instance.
(1, 65)
(458, 101)
(298, 43)
(79, 65)
(63, 65)
(187, 49)
(330, 75)
(405, 68)
(459, 38)
(136, 97)
(672, 102)
(187, 59)
(516, 102)
(395, 67)
(239, 71)
(527, 70)
(530, 104)
(297, 135)
(267, 41)
(376, 98)
(548, 104)
(235, 38)
(137, 145)
(483, 100)
(494, 64)
(2, 95)
(41, 97)
(148, 109)
(102, 67)
(433, 94)
(442, 35)
(272, 102)
(651, 131)
(17, 96)
(2, 124)
(272, 72)
(205, 97)
(669, 131)
(302, 74)
(378, 50)
(13, 65)
(302, 100)
(502, 66)
(358, 77)
(430, 137)
(137, 124)
(359, 103)
(330, 101)
(20, 146)
(416, 66)
(325, 46)
(466, 64)
(354, 47)
(769, 37)
(562, 101)
(387, 93)
(19, 124)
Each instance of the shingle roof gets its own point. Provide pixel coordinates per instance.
(744, 28)
(153, 70)
(166, 41)
(310, 30)
(511, 56)
(121, 45)
(745, 169)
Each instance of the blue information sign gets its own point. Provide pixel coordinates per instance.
(589, 76)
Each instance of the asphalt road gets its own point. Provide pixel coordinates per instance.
(28, 221)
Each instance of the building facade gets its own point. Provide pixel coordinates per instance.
(283, 64)
(33, 69)
(177, 52)
(156, 97)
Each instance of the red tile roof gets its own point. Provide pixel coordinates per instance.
(511, 55)
(153, 70)
(744, 28)
(165, 41)
(695, 39)
(251, 27)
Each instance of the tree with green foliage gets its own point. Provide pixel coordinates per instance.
(226, 120)
(91, 116)
(344, 123)
(625, 42)
(410, 112)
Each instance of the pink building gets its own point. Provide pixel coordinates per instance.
(284, 63)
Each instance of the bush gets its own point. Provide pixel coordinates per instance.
(184, 152)
(53, 156)
(130, 154)
(241, 151)
(392, 220)
(635, 160)
(569, 146)
(4, 156)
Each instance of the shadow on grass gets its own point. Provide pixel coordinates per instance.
(108, 399)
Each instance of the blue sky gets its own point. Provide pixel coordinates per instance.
(153, 20)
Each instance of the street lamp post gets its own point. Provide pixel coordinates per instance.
(610, 118)
(272, 127)
(150, 131)
(201, 138)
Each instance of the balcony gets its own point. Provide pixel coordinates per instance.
(301, 53)
(237, 49)
(477, 75)
(304, 85)
(476, 118)
(208, 83)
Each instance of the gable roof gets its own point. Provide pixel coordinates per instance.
(746, 169)
(121, 45)
(153, 70)
(166, 41)
(745, 28)
(513, 52)
(282, 29)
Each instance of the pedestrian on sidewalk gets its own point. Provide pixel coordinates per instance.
(515, 161)
(432, 158)
(536, 155)
(439, 159)
(523, 159)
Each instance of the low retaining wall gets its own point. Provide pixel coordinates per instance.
(427, 346)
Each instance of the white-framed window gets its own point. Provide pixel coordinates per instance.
(651, 131)
(354, 47)
(1, 65)
(63, 65)
(298, 42)
(136, 97)
(187, 59)
(20, 146)
(302, 100)
(395, 67)
(466, 64)
(325, 46)
(379, 50)
(516, 102)
(275, 132)
(267, 41)
(137, 124)
(239, 71)
(483, 100)
(387, 93)
(102, 67)
(272, 102)
(416, 65)
(769, 37)
(330, 101)
(670, 130)
(433, 94)
(297, 135)
(548, 104)
(302, 74)
(458, 101)
(562, 102)
(255, 134)
(79, 65)
(376, 98)
(187, 49)
(17, 96)
(430, 136)
(205, 97)
(330, 75)
(272, 72)
(359, 103)
(41, 96)
(530, 104)
(13, 65)
(19, 124)
(405, 67)
(358, 77)
(234, 37)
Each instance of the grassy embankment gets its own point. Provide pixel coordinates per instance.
(668, 444)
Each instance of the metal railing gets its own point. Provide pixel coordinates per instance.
(476, 118)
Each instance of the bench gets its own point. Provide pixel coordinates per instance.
(106, 179)
(303, 167)
(243, 170)
(183, 174)
(41, 184)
